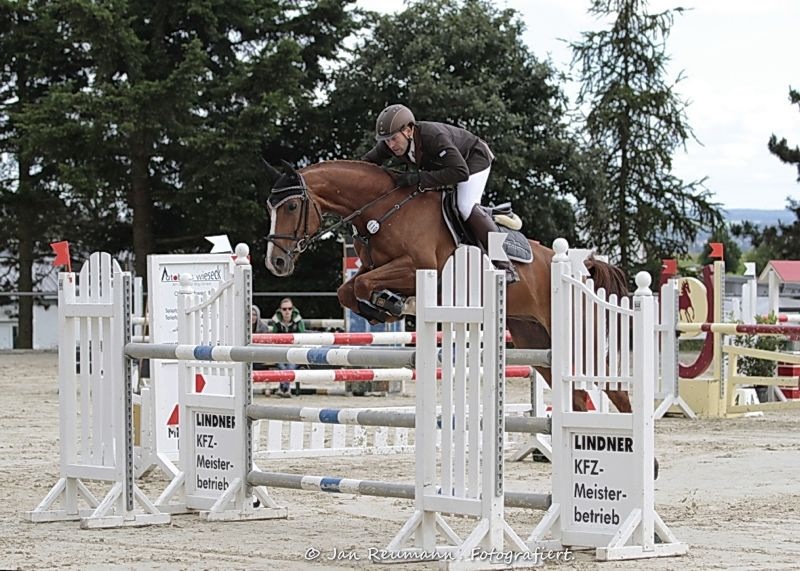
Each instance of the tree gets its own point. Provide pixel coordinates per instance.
(464, 63)
(182, 97)
(131, 122)
(781, 242)
(38, 54)
(781, 148)
(636, 120)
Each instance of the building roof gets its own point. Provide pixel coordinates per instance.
(787, 271)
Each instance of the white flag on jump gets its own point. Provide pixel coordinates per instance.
(221, 244)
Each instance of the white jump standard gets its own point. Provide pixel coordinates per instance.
(95, 402)
(603, 493)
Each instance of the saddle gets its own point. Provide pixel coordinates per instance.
(516, 245)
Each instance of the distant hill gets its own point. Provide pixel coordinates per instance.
(760, 217)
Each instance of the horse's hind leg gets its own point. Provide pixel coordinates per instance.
(620, 399)
(528, 334)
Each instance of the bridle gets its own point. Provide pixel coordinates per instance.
(301, 237)
(301, 244)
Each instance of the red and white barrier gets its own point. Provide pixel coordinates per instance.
(379, 338)
(363, 375)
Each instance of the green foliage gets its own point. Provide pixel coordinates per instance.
(636, 121)
(781, 242)
(464, 63)
(38, 55)
(760, 367)
(161, 144)
(780, 148)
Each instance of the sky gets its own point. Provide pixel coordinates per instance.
(738, 59)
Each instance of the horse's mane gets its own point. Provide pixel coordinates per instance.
(611, 278)
(348, 164)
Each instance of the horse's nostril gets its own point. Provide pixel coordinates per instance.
(279, 262)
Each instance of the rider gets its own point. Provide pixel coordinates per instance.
(445, 155)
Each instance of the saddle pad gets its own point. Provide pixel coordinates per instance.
(516, 245)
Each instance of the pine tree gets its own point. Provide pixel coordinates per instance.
(781, 149)
(39, 55)
(636, 121)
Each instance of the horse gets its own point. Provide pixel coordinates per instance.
(685, 305)
(398, 231)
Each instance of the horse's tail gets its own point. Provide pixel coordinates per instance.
(610, 278)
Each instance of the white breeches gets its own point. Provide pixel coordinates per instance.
(469, 192)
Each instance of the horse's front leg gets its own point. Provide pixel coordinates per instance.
(388, 288)
(347, 296)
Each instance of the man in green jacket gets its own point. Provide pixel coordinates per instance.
(287, 319)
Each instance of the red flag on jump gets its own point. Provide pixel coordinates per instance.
(62, 254)
(669, 267)
(716, 250)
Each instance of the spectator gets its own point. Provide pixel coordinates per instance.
(258, 325)
(287, 319)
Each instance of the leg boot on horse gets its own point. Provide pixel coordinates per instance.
(480, 223)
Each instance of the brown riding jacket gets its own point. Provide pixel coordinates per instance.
(444, 154)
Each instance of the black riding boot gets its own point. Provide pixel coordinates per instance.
(480, 224)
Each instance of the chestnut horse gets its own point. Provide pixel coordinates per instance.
(401, 230)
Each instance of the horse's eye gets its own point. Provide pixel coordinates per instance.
(292, 206)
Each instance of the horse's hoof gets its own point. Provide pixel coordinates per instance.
(410, 306)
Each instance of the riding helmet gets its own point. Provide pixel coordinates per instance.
(391, 120)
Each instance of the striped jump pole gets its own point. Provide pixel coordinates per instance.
(360, 375)
(377, 417)
(740, 328)
(789, 318)
(338, 356)
(375, 488)
(378, 338)
(342, 357)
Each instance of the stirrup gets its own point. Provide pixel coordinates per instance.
(512, 276)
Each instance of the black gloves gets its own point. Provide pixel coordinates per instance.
(405, 178)
(410, 178)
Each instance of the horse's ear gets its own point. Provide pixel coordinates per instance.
(288, 167)
(273, 173)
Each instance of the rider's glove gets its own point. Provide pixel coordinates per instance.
(410, 178)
